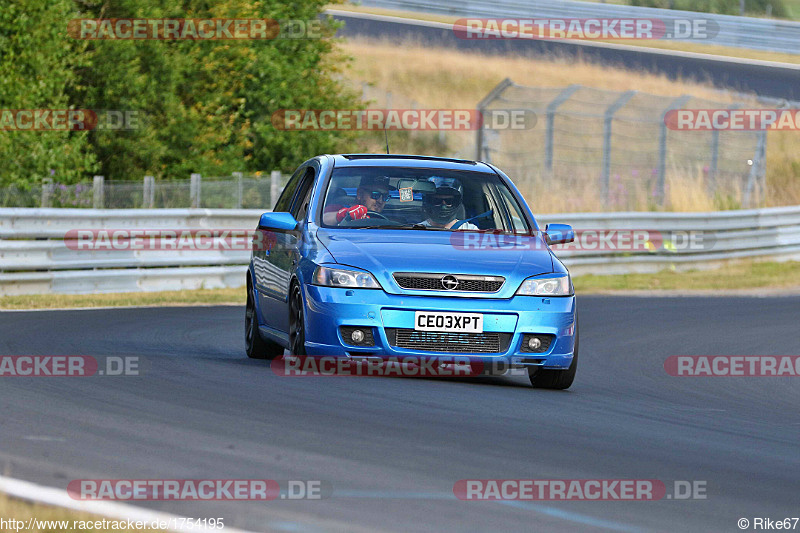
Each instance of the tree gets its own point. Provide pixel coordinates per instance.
(207, 104)
(37, 64)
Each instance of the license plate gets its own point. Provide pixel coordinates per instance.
(460, 322)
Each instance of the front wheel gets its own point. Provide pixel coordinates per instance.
(255, 346)
(297, 329)
(556, 379)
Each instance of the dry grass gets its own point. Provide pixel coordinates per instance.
(446, 78)
(684, 192)
(11, 508)
(734, 276)
(125, 299)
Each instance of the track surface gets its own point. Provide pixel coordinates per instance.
(393, 447)
(763, 79)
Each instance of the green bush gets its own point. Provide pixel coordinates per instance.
(203, 106)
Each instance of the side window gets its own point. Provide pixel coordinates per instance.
(300, 206)
(285, 199)
(517, 218)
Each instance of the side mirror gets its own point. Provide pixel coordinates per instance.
(277, 221)
(558, 233)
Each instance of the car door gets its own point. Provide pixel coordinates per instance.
(279, 261)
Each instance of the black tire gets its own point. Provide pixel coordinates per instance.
(297, 328)
(255, 346)
(542, 378)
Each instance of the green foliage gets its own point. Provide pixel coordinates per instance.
(36, 65)
(203, 106)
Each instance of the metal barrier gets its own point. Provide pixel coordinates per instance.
(233, 192)
(742, 32)
(34, 257)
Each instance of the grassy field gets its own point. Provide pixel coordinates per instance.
(124, 299)
(448, 78)
(793, 6)
(743, 275)
(697, 48)
(732, 277)
(11, 508)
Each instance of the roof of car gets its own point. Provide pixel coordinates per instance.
(403, 160)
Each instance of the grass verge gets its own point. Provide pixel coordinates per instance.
(125, 299)
(14, 509)
(742, 275)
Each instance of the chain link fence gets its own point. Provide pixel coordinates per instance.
(598, 150)
(233, 192)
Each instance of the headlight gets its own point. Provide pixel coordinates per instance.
(340, 277)
(558, 285)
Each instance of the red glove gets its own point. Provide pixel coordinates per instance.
(356, 212)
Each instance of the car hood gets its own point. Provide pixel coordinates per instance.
(383, 252)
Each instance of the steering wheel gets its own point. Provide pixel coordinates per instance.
(377, 215)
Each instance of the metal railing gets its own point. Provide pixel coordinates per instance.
(233, 192)
(741, 32)
(34, 257)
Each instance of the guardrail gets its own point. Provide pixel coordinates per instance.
(34, 256)
(743, 32)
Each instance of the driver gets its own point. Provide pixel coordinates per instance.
(441, 208)
(372, 194)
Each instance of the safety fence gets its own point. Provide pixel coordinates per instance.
(35, 256)
(232, 192)
(600, 150)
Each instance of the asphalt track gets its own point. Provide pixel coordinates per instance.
(768, 79)
(392, 448)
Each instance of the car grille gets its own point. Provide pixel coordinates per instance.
(447, 342)
(433, 282)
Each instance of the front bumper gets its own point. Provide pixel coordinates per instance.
(327, 309)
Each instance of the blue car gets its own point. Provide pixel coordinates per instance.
(393, 256)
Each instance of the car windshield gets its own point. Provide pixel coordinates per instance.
(420, 198)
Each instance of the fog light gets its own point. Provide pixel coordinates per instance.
(534, 343)
(357, 336)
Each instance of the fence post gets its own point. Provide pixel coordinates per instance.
(762, 163)
(47, 192)
(274, 187)
(413, 132)
(98, 192)
(711, 186)
(194, 190)
(148, 192)
(661, 188)
(481, 107)
(757, 170)
(239, 189)
(562, 97)
(608, 117)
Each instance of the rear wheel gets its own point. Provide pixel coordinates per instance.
(297, 331)
(542, 378)
(255, 346)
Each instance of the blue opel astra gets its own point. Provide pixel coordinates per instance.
(389, 256)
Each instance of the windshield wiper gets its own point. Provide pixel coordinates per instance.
(416, 226)
(402, 226)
